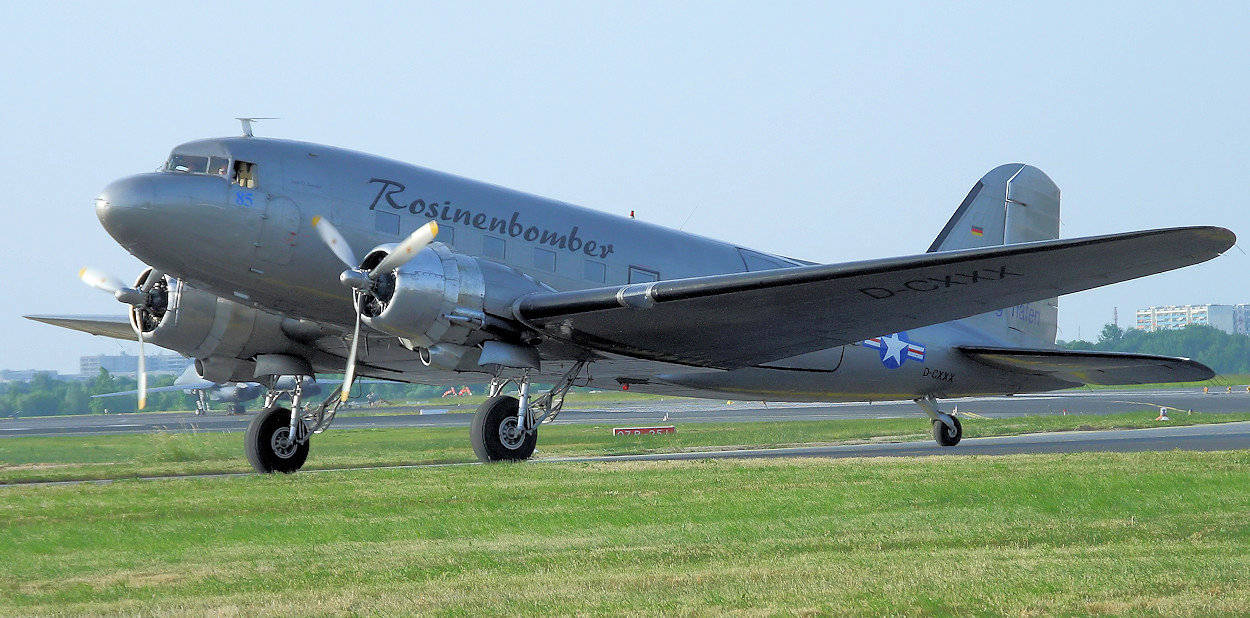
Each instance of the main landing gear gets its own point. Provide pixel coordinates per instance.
(277, 440)
(506, 428)
(269, 444)
(946, 429)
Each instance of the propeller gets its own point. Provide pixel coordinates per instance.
(364, 281)
(140, 300)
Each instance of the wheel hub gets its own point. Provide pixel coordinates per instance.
(281, 443)
(510, 434)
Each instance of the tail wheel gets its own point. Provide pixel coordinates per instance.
(495, 434)
(268, 445)
(947, 436)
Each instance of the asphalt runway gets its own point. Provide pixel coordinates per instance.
(1217, 437)
(676, 410)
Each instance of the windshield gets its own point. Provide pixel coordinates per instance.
(197, 164)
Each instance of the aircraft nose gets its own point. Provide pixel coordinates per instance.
(121, 207)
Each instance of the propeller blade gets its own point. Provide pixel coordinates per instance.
(143, 371)
(100, 280)
(350, 373)
(335, 241)
(406, 250)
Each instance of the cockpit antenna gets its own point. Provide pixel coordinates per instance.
(247, 124)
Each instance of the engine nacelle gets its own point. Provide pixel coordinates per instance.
(219, 333)
(440, 304)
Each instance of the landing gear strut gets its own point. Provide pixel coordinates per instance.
(506, 428)
(947, 430)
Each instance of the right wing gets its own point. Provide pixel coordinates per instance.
(745, 319)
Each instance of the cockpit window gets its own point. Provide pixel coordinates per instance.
(197, 164)
(218, 166)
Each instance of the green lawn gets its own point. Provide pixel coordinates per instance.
(26, 459)
(1137, 533)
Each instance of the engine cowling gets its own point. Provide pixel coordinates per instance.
(443, 304)
(219, 333)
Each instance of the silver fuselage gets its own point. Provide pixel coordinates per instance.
(254, 245)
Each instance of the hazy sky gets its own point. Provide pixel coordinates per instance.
(825, 132)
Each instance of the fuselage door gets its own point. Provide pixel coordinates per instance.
(279, 231)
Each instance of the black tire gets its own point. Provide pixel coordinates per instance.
(945, 436)
(263, 433)
(489, 443)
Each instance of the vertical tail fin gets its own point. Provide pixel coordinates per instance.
(1012, 204)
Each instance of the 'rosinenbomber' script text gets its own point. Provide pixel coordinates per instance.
(511, 226)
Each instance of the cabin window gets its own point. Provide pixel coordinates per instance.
(386, 222)
(493, 247)
(642, 275)
(594, 272)
(545, 260)
(245, 174)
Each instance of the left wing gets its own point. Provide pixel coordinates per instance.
(744, 319)
(117, 327)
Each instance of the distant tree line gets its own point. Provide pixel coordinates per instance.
(1225, 353)
(44, 395)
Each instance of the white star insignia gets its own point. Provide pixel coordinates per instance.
(894, 348)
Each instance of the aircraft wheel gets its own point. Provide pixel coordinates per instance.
(946, 436)
(494, 432)
(266, 443)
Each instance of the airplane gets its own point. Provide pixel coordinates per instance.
(253, 271)
(233, 394)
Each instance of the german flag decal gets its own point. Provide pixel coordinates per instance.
(977, 231)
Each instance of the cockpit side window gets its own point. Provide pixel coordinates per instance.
(245, 174)
(218, 166)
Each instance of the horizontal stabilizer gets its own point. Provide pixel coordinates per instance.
(115, 326)
(1108, 368)
(745, 319)
(198, 385)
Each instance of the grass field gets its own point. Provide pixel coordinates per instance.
(1141, 533)
(28, 459)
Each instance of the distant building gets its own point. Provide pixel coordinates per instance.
(1228, 318)
(127, 365)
